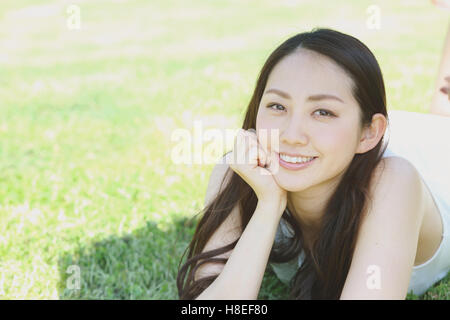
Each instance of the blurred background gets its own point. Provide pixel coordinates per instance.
(92, 206)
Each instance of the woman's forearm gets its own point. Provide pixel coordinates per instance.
(242, 275)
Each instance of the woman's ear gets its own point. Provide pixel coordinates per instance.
(372, 134)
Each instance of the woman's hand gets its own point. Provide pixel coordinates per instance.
(446, 88)
(253, 163)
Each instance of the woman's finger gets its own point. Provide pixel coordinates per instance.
(252, 148)
(273, 164)
(253, 155)
(446, 90)
(241, 147)
(262, 157)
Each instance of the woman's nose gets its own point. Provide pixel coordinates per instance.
(294, 133)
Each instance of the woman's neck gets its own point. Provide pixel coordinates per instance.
(308, 207)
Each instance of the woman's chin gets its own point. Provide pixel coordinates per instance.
(290, 186)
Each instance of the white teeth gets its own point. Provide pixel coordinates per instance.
(295, 159)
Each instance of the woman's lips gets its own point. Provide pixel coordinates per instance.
(295, 166)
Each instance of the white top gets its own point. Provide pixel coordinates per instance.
(422, 139)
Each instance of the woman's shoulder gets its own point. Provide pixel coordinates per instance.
(400, 174)
(395, 165)
(394, 172)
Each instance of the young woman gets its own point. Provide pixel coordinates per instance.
(333, 213)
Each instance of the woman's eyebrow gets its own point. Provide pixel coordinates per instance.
(315, 97)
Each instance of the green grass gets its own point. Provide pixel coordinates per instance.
(86, 116)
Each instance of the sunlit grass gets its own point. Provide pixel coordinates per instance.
(86, 174)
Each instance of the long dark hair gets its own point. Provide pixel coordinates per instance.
(325, 267)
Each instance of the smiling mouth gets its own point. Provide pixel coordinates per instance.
(295, 159)
(296, 165)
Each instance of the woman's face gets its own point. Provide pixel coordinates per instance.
(320, 118)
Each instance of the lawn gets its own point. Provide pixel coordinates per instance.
(88, 188)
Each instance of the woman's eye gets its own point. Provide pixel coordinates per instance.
(277, 105)
(326, 113)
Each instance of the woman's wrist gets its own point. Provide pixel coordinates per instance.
(276, 205)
